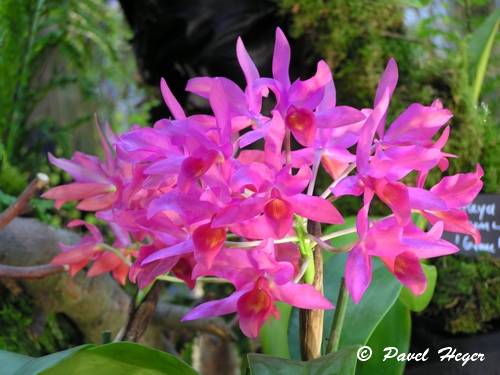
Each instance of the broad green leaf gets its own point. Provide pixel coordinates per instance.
(479, 49)
(419, 303)
(38, 365)
(121, 358)
(274, 334)
(11, 362)
(361, 319)
(342, 362)
(393, 331)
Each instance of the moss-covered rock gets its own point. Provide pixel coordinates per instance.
(467, 295)
(26, 330)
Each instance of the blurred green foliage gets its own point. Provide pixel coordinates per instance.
(73, 55)
(467, 294)
(434, 56)
(26, 330)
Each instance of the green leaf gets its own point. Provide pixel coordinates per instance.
(393, 331)
(419, 303)
(361, 319)
(11, 362)
(38, 365)
(342, 362)
(274, 333)
(480, 44)
(121, 358)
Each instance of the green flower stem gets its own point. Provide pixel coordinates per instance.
(326, 237)
(173, 279)
(338, 319)
(306, 249)
(117, 252)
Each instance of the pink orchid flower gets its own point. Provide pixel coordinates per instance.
(89, 249)
(96, 182)
(400, 249)
(260, 282)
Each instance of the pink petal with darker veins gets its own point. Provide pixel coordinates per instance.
(416, 124)
(408, 270)
(351, 185)
(315, 208)
(215, 308)
(455, 220)
(99, 202)
(181, 248)
(338, 117)
(240, 211)
(388, 83)
(358, 273)
(76, 191)
(461, 189)
(395, 195)
(303, 296)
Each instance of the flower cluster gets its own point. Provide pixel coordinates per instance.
(228, 194)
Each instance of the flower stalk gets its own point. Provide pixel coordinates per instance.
(311, 320)
(338, 319)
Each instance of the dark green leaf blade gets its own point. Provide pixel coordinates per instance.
(121, 358)
(38, 365)
(393, 331)
(274, 333)
(342, 362)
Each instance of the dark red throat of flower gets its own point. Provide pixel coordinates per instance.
(302, 124)
(277, 209)
(256, 301)
(206, 238)
(195, 167)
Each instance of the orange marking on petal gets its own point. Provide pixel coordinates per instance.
(401, 266)
(299, 119)
(206, 238)
(195, 166)
(257, 300)
(276, 208)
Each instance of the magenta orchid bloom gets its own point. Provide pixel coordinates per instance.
(260, 281)
(96, 182)
(197, 202)
(399, 248)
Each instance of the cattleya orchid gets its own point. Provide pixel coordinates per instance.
(192, 195)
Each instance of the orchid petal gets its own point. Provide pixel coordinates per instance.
(215, 308)
(315, 208)
(171, 102)
(281, 59)
(303, 296)
(358, 273)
